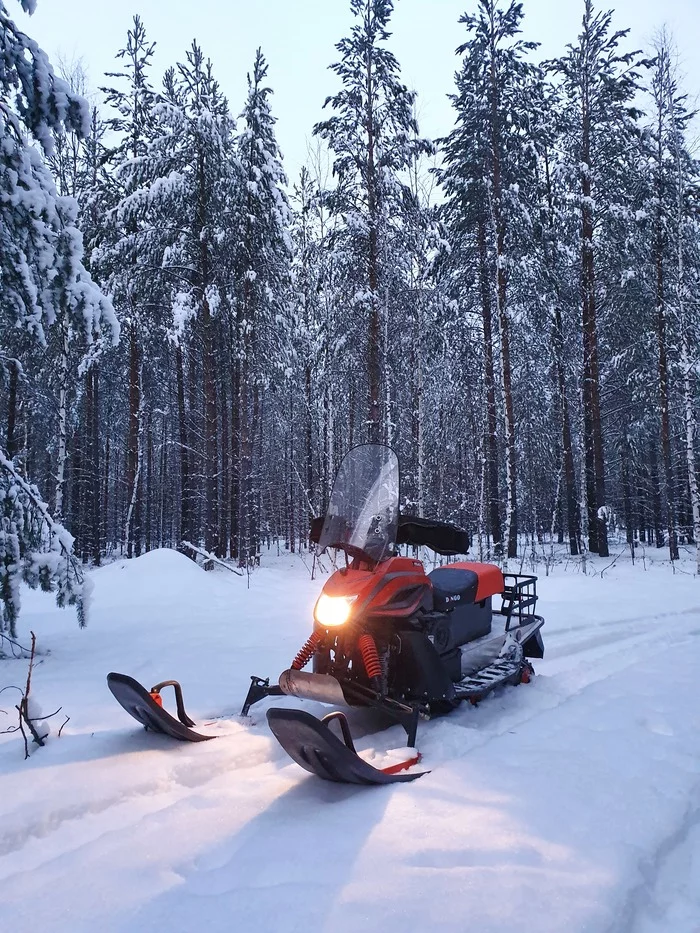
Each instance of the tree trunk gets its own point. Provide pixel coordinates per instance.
(132, 454)
(185, 480)
(211, 447)
(490, 441)
(663, 363)
(690, 432)
(656, 495)
(235, 494)
(12, 410)
(374, 332)
(95, 472)
(224, 486)
(627, 497)
(503, 322)
(149, 487)
(62, 418)
(595, 465)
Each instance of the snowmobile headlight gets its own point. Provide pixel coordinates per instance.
(333, 610)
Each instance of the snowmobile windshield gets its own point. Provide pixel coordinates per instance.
(363, 512)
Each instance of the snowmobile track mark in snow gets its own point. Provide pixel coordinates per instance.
(312, 745)
(140, 704)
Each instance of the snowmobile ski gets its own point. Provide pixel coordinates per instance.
(146, 707)
(310, 742)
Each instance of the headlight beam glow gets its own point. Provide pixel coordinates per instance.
(333, 610)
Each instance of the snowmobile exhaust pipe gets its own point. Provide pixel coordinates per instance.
(308, 686)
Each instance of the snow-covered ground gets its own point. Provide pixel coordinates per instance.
(568, 805)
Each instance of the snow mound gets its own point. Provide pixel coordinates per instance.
(163, 576)
(162, 562)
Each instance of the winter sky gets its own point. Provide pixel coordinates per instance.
(298, 38)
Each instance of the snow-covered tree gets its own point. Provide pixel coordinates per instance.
(42, 280)
(599, 82)
(123, 261)
(374, 138)
(489, 181)
(262, 277)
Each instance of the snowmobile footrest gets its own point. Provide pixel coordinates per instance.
(140, 703)
(478, 685)
(310, 742)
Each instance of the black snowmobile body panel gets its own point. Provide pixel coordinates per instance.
(310, 742)
(139, 703)
(534, 646)
(421, 673)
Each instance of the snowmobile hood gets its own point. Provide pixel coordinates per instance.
(394, 587)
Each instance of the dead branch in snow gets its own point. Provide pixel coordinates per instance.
(25, 719)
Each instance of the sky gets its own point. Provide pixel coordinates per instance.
(298, 39)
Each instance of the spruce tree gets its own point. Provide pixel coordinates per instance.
(488, 178)
(42, 277)
(599, 82)
(262, 277)
(374, 136)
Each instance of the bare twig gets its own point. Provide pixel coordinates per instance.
(17, 650)
(613, 561)
(24, 734)
(23, 708)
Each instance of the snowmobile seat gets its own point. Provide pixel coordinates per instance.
(452, 586)
(491, 582)
(462, 591)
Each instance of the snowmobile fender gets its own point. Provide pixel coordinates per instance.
(534, 646)
(313, 746)
(420, 673)
(529, 635)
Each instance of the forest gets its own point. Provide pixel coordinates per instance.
(190, 341)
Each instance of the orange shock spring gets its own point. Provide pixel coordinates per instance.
(307, 652)
(370, 656)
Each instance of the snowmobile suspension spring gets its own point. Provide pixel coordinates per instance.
(370, 656)
(308, 651)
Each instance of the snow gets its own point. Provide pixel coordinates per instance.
(572, 803)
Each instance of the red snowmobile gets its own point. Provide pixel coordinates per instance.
(386, 635)
(389, 636)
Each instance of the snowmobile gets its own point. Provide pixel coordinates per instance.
(389, 636)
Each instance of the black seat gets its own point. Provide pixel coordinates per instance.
(441, 537)
(452, 587)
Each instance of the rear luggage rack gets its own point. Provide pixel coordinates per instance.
(519, 597)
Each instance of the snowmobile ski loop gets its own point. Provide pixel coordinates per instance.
(313, 746)
(142, 705)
